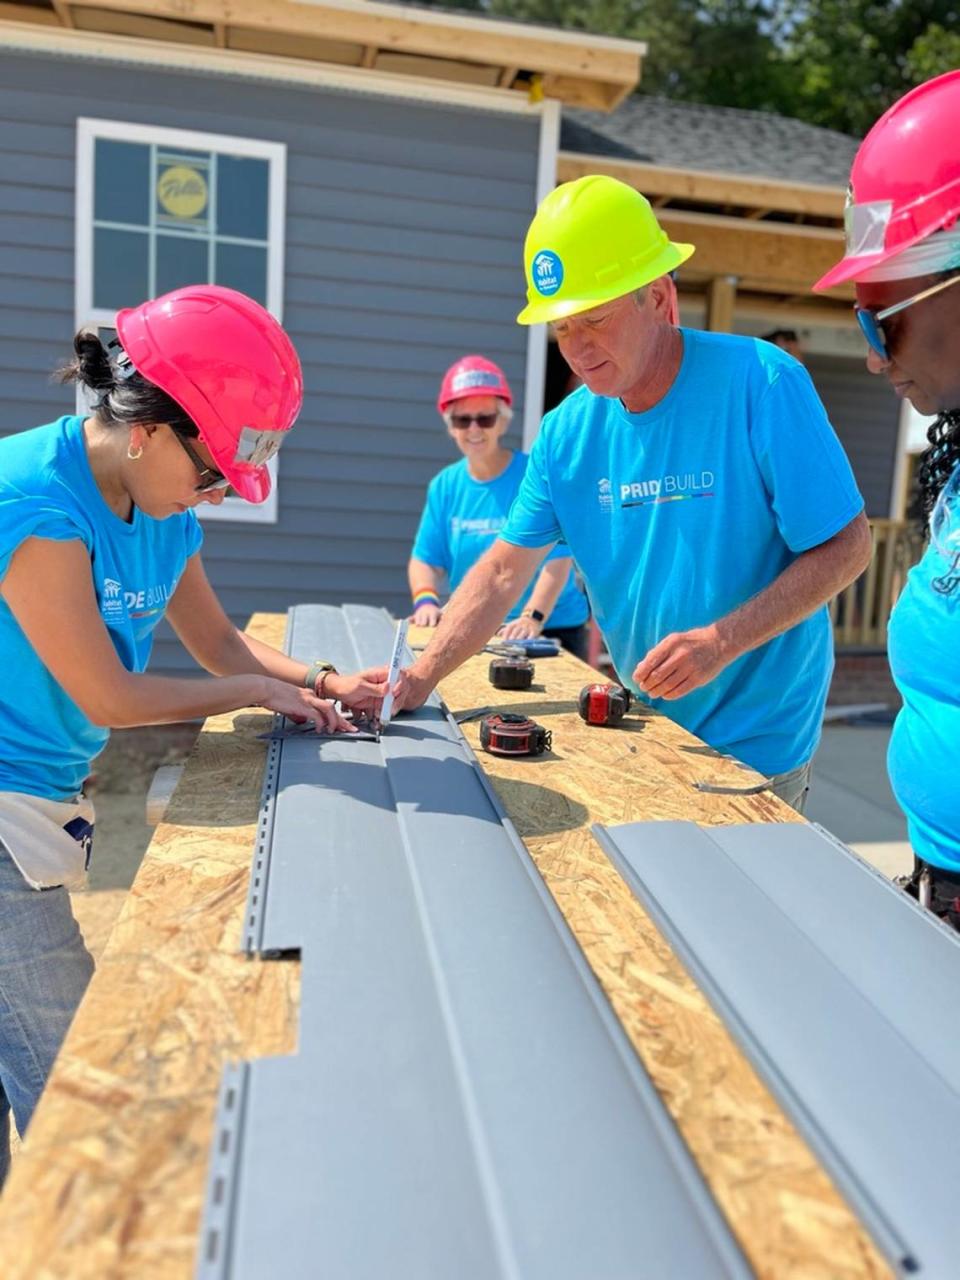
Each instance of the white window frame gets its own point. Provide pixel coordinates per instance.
(89, 130)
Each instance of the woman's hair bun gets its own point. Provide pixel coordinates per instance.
(91, 365)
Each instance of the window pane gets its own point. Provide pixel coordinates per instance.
(121, 182)
(183, 189)
(242, 197)
(181, 260)
(243, 267)
(119, 268)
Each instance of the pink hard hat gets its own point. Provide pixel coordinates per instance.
(229, 365)
(473, 376)
(905, 180)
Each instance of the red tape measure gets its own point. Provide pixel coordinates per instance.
(511, 673)
(603, 703)
(506, 734)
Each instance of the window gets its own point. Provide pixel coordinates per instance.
(160, 208)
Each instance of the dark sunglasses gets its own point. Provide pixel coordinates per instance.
(210, 477)
(871, 322)
(461, 421)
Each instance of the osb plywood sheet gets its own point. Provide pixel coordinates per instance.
(111, 1180)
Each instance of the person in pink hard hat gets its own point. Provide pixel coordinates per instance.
(903, 256)
(99, 540)
(467, 505)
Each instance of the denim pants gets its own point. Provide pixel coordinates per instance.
(44, 971)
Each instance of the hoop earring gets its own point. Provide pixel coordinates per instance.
(135, 456)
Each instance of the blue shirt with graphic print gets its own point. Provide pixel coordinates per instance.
(461, 521)
(679, 515)
(47, 490)
(924, 646)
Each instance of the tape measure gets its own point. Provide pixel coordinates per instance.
(603, 703)
(506, 734)
(511, 673)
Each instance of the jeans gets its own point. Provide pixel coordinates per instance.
(44, 971)
(792, 787)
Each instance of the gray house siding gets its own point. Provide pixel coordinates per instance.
(404, 227)
(866, 416)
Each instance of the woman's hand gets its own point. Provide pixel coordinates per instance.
(520, 629)
(427, 615)
(302, 705)
(361, 692)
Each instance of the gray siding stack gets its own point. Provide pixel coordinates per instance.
(842, 991)
(405, 225)
(463, 1101)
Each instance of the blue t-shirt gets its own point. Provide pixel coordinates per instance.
(461, 521)
(679, 515)
(47, 490)
(924, 647)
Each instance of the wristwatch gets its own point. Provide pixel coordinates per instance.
(315, 671)
(535, 614)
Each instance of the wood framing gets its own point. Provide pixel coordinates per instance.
(577, 68)
(766, 257)
(721, 303)
(758, 197)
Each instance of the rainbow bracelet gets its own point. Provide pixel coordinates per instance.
(425, 596)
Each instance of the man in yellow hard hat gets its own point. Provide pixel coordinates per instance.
(698, 485)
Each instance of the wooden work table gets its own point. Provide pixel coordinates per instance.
(112, 1179)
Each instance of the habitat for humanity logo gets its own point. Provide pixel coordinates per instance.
(547, 272)
(605, 494)
(112, 602)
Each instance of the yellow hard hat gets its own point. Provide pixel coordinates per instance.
(591, 241)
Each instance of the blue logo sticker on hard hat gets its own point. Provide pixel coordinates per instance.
(468, 378)
(547, 272)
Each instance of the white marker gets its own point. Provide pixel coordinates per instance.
(393, 674)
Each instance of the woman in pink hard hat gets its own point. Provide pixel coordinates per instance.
(467, 505)
(99, 540)
(903, 255)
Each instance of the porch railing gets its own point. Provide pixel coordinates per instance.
(861, 612)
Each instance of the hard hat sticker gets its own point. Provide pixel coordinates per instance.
(547, 272)
(468, 378)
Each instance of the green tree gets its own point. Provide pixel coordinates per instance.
(850, 59)
(932, 53)
(838, 63)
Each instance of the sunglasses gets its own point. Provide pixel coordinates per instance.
(210, 477)
(461, 421)
(871, 322)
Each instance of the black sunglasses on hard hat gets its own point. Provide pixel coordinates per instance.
(210, 477)
(461, 421)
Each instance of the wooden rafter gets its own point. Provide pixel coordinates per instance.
(764, 195)
(770, 257)
(31, 14)
(580, 69)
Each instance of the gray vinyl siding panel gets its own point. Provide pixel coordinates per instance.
(866, 415)
(404, 231)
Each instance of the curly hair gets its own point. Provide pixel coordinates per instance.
(939, 461)
(121, 395)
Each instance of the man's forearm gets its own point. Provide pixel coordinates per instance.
(475, 611)
(814, 578)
